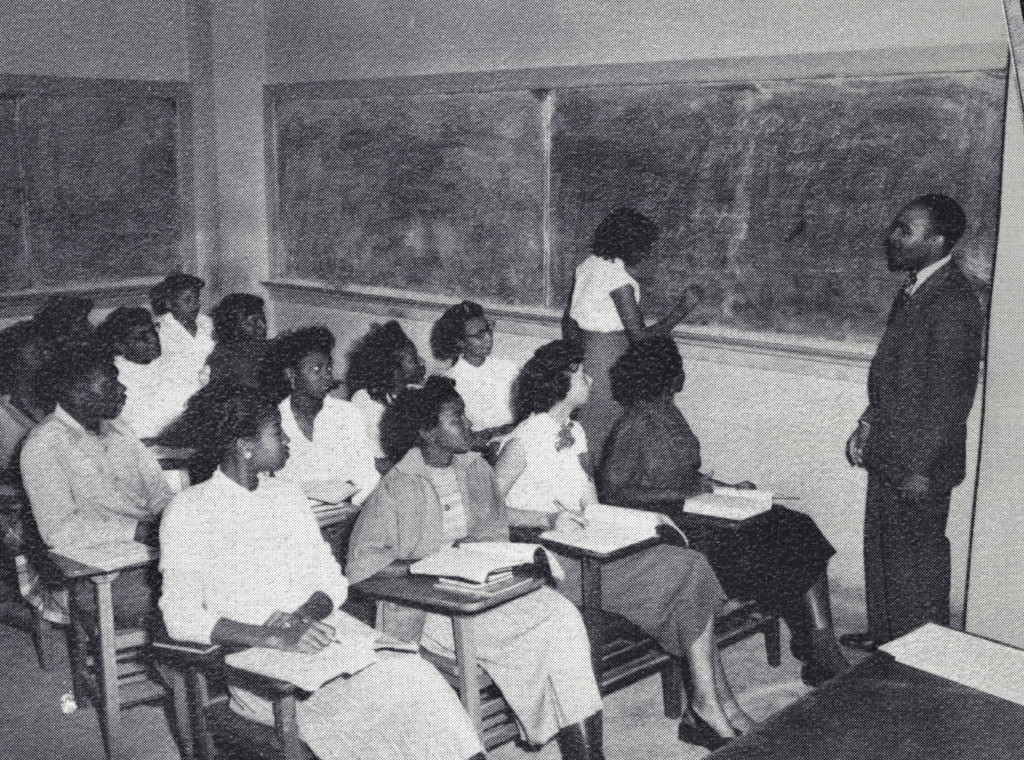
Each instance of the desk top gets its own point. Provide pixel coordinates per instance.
(137, 555)
(883, 710)
(583, 552)
(422, 592)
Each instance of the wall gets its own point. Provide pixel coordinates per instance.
(996, 584)
(333, 39)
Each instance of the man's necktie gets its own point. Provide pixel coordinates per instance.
(909, 283)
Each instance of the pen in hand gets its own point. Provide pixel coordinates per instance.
(579, 517)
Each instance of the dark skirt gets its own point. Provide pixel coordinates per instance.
(773, 559)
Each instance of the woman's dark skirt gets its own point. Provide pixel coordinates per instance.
(772, 559)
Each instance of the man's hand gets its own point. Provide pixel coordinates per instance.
(915, 488)
(855, 444)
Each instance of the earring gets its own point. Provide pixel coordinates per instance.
(247, 455)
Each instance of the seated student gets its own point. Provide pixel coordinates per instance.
(439, 494)
(24, 349)
(465, 336)
(668, 591)
(381, 364)
(652, 461)
(330, 452)
(185, 335)
(244, 563)
(88, 477)
(152, 398)
(240, 334)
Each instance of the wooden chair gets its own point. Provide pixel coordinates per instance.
(36, 579)
(207, 727)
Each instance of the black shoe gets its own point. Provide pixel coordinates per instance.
(693, 729)
(814, 673)
(861, 641)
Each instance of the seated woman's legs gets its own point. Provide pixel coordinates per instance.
(814, 639)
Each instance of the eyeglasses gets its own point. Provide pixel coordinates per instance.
(487, 329)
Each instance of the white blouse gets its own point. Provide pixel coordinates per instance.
(228, 552)
(339, 451)
(372, 411)
(487, 390)
(153, 400)
(592, 305)
(182, 361)
(553, 468)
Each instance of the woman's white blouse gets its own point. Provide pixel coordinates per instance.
(340, 449)
(487, 390)
(227, 552)
(592, 305)
(372, 412)
(553, 470)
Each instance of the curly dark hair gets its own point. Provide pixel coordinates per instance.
(625, 234)
(229, 314)
(165, 291)
(287, 350)
(119, 322)
(449, 332)
(413, 410)
(65, 316)
(545, 380)
(947, 216)
(646, 371)
(374, 360)
(215, 417)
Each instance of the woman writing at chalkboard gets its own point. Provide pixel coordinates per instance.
(603, 314)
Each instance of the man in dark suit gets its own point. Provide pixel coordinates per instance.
(912, 437)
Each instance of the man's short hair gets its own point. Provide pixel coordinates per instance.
(70, 365)
(948, 218)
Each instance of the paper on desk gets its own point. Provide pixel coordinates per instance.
(730, 503)
(965, 659)
(352, 650)
(109, 556)
(610, 528)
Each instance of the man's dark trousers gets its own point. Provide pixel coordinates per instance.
(906, 560)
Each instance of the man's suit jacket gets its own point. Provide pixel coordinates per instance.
(922, 382)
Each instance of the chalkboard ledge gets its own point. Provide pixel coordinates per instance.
(23, 303)
(789, 353)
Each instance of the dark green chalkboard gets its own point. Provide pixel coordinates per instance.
(101, 175)
(774, 195)
(436, 193)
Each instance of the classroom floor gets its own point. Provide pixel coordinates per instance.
(32, 726)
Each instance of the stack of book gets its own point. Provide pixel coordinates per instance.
(485, 567)
(730, 503)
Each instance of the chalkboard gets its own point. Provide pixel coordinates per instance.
(774, 195)
(437, 193)
(13, 274)
(102, 187)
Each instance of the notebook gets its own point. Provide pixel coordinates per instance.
(730, 503)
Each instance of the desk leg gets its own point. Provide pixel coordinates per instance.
(469, 681)
(593, 617)
(110, 702)
(182, 716)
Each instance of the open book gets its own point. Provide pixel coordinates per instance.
(730, 503)
(611, 528)
(354, 648)
(479, 562)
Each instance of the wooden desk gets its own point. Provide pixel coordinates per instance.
(882, 710)
(422, 592)
(108, 697)
(591, 609)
